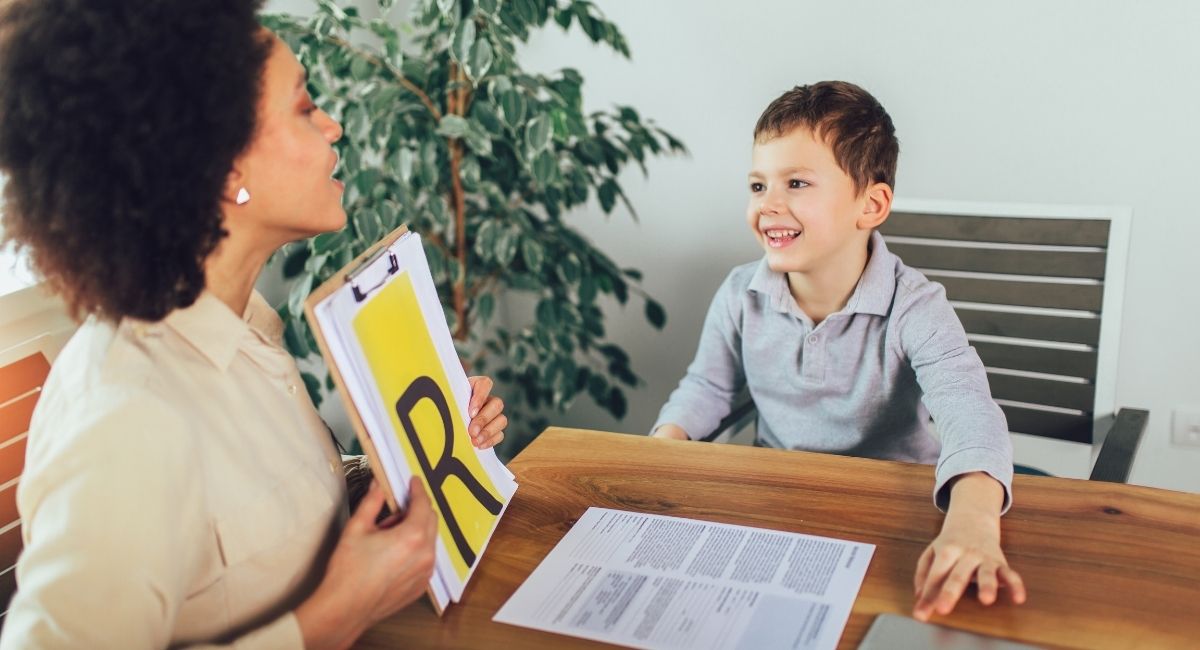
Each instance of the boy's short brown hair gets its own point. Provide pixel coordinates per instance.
(848, 118)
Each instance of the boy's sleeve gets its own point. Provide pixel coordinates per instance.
(715, 376)
(973, 429)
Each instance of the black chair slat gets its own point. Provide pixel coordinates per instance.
(1049, 424)
(1064, 264)
(1053, 295)
(1046, 392)
(1071, 363)
(1039, 327)
(1009, 230)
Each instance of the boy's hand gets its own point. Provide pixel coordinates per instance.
(486, 410)
(968, 549)
(672, 431)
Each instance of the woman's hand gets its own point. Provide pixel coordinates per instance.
(375, 571)
(487, 416)
(967, 549)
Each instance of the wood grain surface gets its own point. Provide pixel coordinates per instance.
(1107, 565)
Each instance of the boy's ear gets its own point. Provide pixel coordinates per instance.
(877, 205)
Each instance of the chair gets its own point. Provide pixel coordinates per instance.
(33, 328)
(1039, 291)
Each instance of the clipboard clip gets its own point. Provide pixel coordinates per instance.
(351, 277)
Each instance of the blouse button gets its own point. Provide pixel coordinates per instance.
(291, 389)
(813, 339)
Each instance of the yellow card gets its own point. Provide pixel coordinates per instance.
(404, 362)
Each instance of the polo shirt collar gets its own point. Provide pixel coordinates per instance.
(872, 295)
(877, 286)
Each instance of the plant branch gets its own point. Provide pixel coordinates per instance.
(455, 106)
(405, 82)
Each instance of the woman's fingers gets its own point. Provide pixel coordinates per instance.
(490, 410)
(492, 433)
(368, 509)
(481, 389)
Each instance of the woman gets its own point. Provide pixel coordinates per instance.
(179, 486)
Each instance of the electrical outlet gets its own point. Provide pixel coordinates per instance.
(1185, 427)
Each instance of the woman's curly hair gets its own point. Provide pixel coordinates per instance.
(119, 123)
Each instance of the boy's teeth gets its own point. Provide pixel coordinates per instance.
(782, 233)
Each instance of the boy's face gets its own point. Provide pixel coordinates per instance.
(803, 208)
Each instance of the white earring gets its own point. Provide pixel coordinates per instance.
(243, 196)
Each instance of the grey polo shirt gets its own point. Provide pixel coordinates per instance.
(864, 382)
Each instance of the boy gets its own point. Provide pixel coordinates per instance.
(843, 348)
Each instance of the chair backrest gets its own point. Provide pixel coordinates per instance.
(1039, 291)
(33, 328)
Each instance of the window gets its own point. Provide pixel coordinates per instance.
(15, 273)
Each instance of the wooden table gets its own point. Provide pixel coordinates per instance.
(1106, 565)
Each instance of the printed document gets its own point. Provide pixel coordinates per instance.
(652, 581)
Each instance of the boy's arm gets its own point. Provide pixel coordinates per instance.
(974, 473)
(715, 376)
(973, 429)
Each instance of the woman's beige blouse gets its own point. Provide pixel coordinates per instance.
(179, 488)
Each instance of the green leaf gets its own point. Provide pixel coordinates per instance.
(608, 195)
(464, 39)
(360, 69)
(294, 340)
(655, 314)
(533, 253)
(526, 10)
(537, 133)
(506, 246)
(370, 227)
(480, 60)
(485, 239)
(488, 6)
(326, 242)
(404, 163)
(545, 168)
(616, 403)
(313, 386)
(484, 113)
(484, 306)
(445, 6)
(299, 293)
(587, 290)
(453, 126)
(547, 315)
(512, 106)
(477, 139)
(293, 264)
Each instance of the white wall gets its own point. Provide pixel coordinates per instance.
(1076, 102)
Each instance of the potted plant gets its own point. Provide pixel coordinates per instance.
(445, 132)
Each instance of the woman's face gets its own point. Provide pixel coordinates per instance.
(288, 166)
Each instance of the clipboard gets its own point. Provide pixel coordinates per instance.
(380, 328)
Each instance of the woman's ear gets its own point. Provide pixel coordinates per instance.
(235, 190)
(877, 205)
